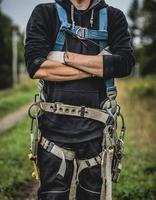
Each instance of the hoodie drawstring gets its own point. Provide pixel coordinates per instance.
(73, 21)
(72, 16)
(92, 18)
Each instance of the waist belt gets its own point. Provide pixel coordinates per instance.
(78, 111)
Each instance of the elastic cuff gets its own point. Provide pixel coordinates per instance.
(108, 67)
(35, 66)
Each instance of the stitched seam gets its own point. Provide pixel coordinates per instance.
(46, 192)
(82, 91)
(90, 191)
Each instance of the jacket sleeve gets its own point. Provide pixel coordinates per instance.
(120, 63)
(37, 43)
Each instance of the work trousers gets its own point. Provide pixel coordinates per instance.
(54, 187)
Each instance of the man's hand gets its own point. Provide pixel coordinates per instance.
(86, 63)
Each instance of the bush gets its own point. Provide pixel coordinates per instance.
(143, 87)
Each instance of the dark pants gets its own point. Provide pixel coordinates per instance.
(55, 188)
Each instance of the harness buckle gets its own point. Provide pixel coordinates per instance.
(82, 111)
(80, 32)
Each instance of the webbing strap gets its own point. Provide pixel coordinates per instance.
(80, 32)
(106, 167)
(103, 23)
(85, 33)
(65, 154)
(61, 153)
(56, 150)
(60, 39)
(88, 163)
(78, 111)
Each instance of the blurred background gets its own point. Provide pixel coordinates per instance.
(137, 96)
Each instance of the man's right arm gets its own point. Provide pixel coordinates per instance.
(39, 39)
(56, 71)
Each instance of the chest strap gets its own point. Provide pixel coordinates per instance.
(85, 33)
(79, 32)
(77, 111)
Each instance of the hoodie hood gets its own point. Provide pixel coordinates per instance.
(95, 4)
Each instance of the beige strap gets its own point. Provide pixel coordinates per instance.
(61, 153)
(79, 111)
(56, 150)
(88, 163)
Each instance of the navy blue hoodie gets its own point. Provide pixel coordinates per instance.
(41, 33)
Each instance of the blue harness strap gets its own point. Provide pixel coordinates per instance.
(60, 39)
(100, 35)
(85, 34)
(103, 25)
(77, 31)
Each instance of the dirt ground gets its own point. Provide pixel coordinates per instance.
(29, 191)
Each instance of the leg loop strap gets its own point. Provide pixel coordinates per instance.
(61, 153)
(88, 163)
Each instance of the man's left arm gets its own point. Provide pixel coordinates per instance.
(117, 65)
(90, 64)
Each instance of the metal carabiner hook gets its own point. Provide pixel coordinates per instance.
(30, 110)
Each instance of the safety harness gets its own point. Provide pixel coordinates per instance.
(113, 144)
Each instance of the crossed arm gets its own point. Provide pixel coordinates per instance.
(77, 66)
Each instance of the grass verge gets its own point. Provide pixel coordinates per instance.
(138, 177)
(13, 99)
(15, 168)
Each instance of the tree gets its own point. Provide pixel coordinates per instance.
(5, 51)
(6, 29)
(133, 15)
(144, 19)
(149, 36)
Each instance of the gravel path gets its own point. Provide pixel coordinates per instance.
(11, 119)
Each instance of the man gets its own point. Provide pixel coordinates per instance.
(76, 78)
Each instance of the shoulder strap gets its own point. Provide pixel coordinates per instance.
(60, 39)
(103, 25)
(62, 14)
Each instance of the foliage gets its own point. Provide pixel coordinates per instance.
(6, 29)
(149, 33)
(139, 166)
(133, 15)
(5, 51)
(143, 18)
(144, 87)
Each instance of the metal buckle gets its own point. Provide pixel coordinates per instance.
(80, 32)
(82, 111)
(50, 147)
(111, 92)
(57, 106)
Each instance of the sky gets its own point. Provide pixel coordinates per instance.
(20, 10)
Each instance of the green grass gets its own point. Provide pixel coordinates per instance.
(13, 99)
(138, 176)
(142, 87)
(15, 168)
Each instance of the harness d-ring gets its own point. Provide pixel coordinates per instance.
(30, 110)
